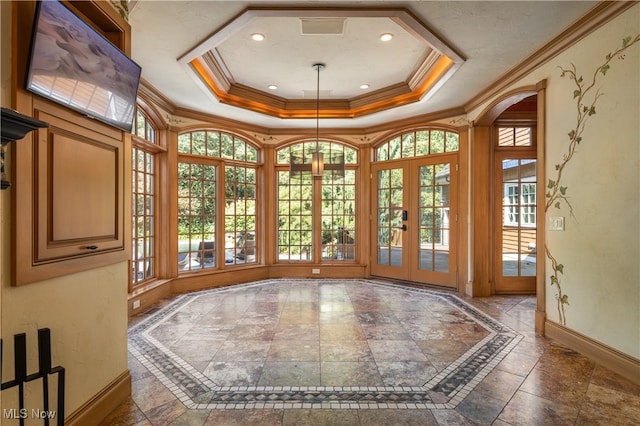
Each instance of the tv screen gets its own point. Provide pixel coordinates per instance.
(74, 65)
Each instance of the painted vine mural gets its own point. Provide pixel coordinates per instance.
(122, 6)
(586, 95)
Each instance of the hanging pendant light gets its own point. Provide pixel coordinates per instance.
(317, 158)
(317, 166)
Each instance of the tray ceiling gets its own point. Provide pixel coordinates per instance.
(262, 61)
(483, 40)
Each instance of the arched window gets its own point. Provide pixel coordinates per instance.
(143, 128)
(216, 168)
(316, 217)
(418, 143)
(415, 203)
(144, 151)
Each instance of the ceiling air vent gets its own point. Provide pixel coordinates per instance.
(322, 26)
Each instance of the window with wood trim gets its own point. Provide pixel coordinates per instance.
(240, 214)
(515, 136)
(196, 216)
(418, 143)
(295, 217)
(144, 200)
(317, 217)
(339, 216)
(217, 200)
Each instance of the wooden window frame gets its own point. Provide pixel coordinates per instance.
(313, 251)
(150, 256)
(412, 144)
(220, 159)
(242, 246)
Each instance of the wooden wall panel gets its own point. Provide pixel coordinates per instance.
(481, 155)
(72, 175)
(464, 284)
(83, 203)
(68, 205)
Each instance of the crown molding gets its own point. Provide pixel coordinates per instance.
(206, 64)
(152, 95)
(599, 15)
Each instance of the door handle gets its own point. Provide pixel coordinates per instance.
(403, 227)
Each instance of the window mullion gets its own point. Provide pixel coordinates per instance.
(220, 230)
(316, 201)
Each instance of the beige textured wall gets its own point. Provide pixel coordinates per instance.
(86, 312)
(600, 246)
(87, 315)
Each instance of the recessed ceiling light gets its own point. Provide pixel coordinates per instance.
(386, 36)
(272, 87)
(364, 86)
(257, 37)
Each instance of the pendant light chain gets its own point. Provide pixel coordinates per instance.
(317, 157)
(318, 67)
(335, 161)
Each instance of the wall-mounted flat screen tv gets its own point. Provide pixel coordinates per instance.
(74, 65)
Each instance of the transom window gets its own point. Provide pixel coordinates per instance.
(316, 217)
(418, 143)
(217, 200)
(515, 136)
(210, 143)
(305, 149)
(143, 128)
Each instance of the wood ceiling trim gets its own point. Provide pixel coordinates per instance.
(242, 96)
(438, 63)
(599, 15)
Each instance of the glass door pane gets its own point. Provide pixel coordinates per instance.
(517, 256)
(434, 211)
(519, 217)
(390, 208)
(414, 220)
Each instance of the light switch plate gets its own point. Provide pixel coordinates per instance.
(556, 223)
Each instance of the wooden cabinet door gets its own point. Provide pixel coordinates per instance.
(79, 202)
(70, 186)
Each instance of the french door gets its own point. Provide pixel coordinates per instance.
(414, 226)
(515, 223)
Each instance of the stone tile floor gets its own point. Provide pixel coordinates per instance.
(359, 352)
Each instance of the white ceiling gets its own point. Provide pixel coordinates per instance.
(278, 60)
(492, 37)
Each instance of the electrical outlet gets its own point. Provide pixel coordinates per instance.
(315, 270)
(136, 304)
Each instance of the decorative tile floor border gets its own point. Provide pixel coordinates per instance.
(444, 391)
